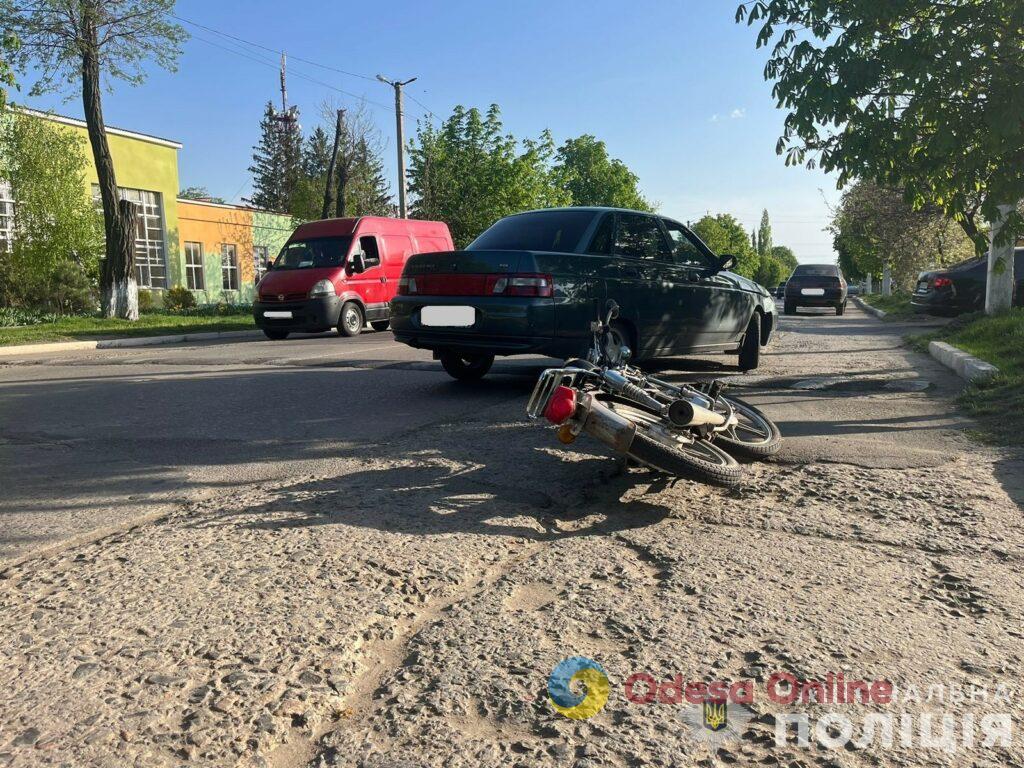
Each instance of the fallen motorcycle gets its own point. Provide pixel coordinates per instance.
(679, 429)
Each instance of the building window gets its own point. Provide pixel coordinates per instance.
(150, 264)
(229, 266)
(6, 217)
(260, 257)
(194, 277)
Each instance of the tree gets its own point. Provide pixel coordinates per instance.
(724, 234)
(469, 173)
(764, 236)
(57, 232)
(75, 44)
(918, 96)
(584, 170)
(200, 193)
(770, 271)
(8, 45)
(277, 163)
(785, 256)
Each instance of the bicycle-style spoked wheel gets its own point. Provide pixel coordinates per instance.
(754, 434)
(677, 452)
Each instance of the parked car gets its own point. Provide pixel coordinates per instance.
(961, 288)
(815, 285)
(341, 273)
(780, 291)
(533, 283)
(853, 289)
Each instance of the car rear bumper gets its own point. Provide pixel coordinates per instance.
(308, 315)
(503, 325)
(829, 299)
(934, 304)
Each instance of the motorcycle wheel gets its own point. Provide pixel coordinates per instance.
(754, 436)
(676, 452)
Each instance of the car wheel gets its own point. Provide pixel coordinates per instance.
(466, 367)
(380, 325)
(620, 337)
(840, 309)
(789, 308)
(750, 349)
(351, 322)
(275, 334)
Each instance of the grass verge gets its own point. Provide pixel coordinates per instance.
(997, 404)
(895, 306)
(94, 328)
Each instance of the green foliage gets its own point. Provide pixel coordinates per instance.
(58, 234)
(199, 193)
(150, 324)
(919, 96)
(276, 164)
(723, 234)
(52, 33)
(590, 177)
(874, 226)
(13, 317)
(8, 46)
(146, 301)
(770, 271)
(785, 256)
(469, 173)
(179, 298)
(764, 236)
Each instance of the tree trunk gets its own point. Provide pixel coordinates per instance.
(120, 239)
(342, 188)
(330, 190)
(868, 284)
(887, 279)
(969, 225)
(999, 287)
(119, 290)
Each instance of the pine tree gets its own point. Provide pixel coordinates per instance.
(764, 236)
(369, 193)
(276, 163)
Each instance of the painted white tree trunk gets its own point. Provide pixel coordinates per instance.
(999, 288)
(869, 284)
(887, 280)
(123, 300)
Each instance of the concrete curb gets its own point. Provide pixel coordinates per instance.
(141, 341)
(879, 313)
(966, 366)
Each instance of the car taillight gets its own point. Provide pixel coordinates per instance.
(542, 286)
(406, 286)
(561, 405)
(942, 282)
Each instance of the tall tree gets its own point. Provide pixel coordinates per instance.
(277, 163)
(584, 169)
(764, 236)
(8, 45)
(76, 44)
(785, 256)
(199, 193)
(919, 96)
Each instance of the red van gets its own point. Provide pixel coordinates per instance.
(341, 273)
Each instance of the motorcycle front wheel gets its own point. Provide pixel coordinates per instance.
(676, 452)
(754, 435)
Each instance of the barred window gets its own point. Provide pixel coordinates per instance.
(150, 263)
(229, 266)
(194, 277)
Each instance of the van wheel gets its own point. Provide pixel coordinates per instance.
(750, 349)
(466, 367)
(380, 325)
(350, 323)
(275, 334)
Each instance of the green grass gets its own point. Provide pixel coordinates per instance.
(150, 324)
(998, 404)
(895, 306)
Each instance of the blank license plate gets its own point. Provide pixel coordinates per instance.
(813, 291)
(282, 315)
(449, 317)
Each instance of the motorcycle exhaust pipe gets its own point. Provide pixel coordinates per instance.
(683, 413)
(607, 426)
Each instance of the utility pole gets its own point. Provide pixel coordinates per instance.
(400, 131)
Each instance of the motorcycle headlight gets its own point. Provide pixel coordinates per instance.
(322, 288)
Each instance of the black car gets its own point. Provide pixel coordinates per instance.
(815, 285)
(961, 288)
(534, 282)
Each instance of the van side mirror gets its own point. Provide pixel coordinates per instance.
(726, 261)
(357, 263)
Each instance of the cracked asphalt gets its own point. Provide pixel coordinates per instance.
(322, 552)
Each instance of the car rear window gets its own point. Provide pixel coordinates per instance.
(816, 270)
(557, 231)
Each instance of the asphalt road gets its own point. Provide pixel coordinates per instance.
(323, 552)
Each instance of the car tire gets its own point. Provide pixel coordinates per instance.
(840, 309)
(350, 321)
(750, 348)
(380, 325)
(466, 367)
(789, 308)
(621, 335)
(275, 334)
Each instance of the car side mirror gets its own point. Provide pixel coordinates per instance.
(726, 261)
(357, 262)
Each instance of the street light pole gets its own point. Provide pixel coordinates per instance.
(400, 133)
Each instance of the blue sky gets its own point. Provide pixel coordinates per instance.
(674, 88)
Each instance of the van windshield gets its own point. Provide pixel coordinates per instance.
(316, 253)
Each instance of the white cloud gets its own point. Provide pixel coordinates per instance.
(715, 118)
(738, 114)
